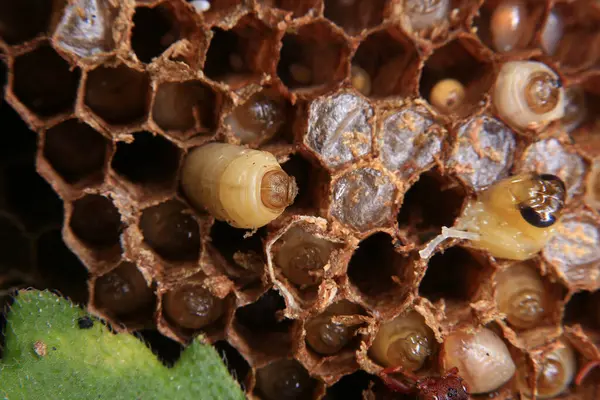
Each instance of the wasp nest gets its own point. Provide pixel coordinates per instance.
(324, 188)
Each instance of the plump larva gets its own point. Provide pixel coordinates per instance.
(360, 80)
(284, 380)
(447, 95)
(481, 357)
(425, 14)
(192, 307)
(552, 32)
(514, 218)
(246, 188)
(406, 341)
(123, 290)
(257, 119)
(521, 295)
(326, 336)
(507, 24)
(303, 256)
(528, 95)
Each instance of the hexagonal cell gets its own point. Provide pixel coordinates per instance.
(85, 28)
(236, 364)
(118, 95)
(59, 268)
(456, 275)
(96, 222)
(350, 387)
(23, 20)
(297, 8)
(314, 55)
(15, 247)
(19, 143)
(191, 308)
(354, 16)
(261, 326)
(260, 118)
(573, 251)
(339, 128)
(423, 213)
(388, 283)
(550, 156)
(460, 60)
(246, 50)
(30, 198)
(150, 161)
(528, 299)
(170, 230)
(575, 24)
(183, 106)
(482, 152)
(409, 140)
(45, 91)
(286, 379)
(76, 151)
(157, 28)
(363, 198)
(509, 25)
(391, 61)
(242, 256)
(124, 293)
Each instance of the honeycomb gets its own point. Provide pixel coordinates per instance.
(103, 100)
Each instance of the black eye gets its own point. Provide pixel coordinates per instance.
(452, 393)
(536, 218)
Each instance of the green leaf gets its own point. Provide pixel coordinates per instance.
(49, 356)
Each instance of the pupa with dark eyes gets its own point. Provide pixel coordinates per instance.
(514, 218)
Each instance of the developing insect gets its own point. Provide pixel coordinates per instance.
(512, 219)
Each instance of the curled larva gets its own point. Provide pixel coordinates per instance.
(425, 14)
(284, 380)
(514, 218)
(528, 95)
(481, 357)
(405, 341)
(247, 188)
(447, 95)
(507, 24)
(552, 32)
(192, 306)
(360, 80)
(521, 296)
(326, 336)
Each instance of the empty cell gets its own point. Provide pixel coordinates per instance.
(375, 266)
(308, 179)
(422, 214)
(312, 56)
(410, 140)
(192, 307)
(18, 142)
(583, 308)
(76, 151)
(49, 90)
(123, 291)
(363, 198)
(236, 364)
(30, 198)
(154, 30)
(350, 387)
(454, 275)
(354, 16)
(390, 60)
(24, 19)
(15, 247)
(245, 49)
(261, 316)
(59, 268)
(458, 61)
(171, 231)
(118, 95)
(96, 221)
(339, 128)
(85, 28)
(229, 241)
(284, 380)
(181, 106)
(150, 160)
(260, 118)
